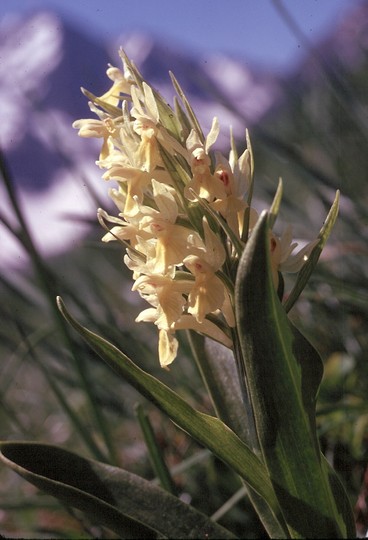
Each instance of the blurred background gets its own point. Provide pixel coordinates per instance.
(295, 73)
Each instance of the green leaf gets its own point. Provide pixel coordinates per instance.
(192, 117)
(207, 430)
(283, 374)
(341, 497)
(275, 206)
(115, 112)
(125, 503)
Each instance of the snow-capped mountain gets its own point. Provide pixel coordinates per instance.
(44, 62)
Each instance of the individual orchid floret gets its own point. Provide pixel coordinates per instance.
(122, 84)
(125, 165)
(103, 128)
(167, 297)
(209, 293)
(139, 259)
(123, 230)
(134, 182)
(167, 347)
(164, 293)
(173, 240)
(202, 184)
(146, 126)
(168, 344)
(231, 204)
(282, 257)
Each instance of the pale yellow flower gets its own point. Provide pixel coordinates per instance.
(209, 293)
(167, 347)
(282, 257)
(173, 241)
(122, 84)
(104, 128)
(203, 184)
(206, 328)
(234, 177)
(165, 294)
(146, 126)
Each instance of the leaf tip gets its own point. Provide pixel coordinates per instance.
(59, 303)
(61, 307)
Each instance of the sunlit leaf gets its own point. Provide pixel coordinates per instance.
(283, 377)
(207, 430)
(275, 206)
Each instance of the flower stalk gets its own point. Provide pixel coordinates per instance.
(183, 207)
(205, 261)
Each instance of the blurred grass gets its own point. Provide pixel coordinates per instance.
(53, 389)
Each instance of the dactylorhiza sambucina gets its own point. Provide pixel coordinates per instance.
(184, 209)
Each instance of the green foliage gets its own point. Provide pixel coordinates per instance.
(283, 373)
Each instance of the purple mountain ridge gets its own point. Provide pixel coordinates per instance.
(43, 63)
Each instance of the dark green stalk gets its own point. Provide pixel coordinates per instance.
(208, 376)
(225, 382)
(155, 453)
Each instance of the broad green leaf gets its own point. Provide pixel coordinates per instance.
(125, 503)
(282, 389)
(207, 430)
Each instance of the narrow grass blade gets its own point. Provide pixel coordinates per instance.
(155, 453)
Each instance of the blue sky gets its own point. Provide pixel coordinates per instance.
(251, 29)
